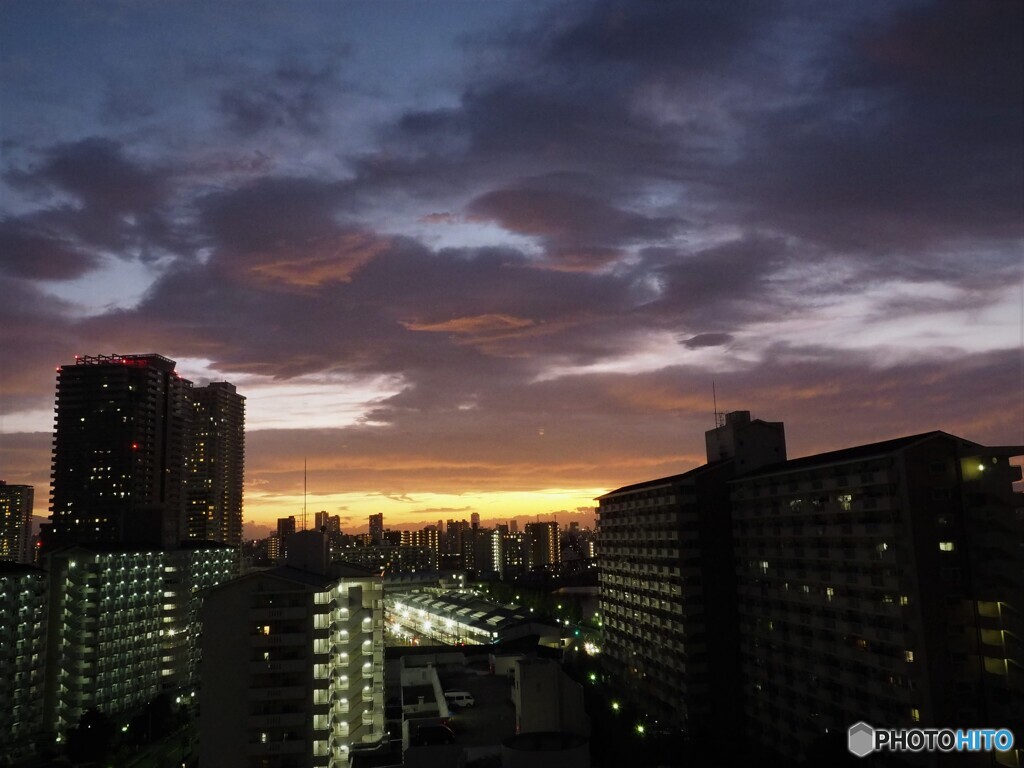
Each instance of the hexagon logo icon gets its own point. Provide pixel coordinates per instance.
(860, 739)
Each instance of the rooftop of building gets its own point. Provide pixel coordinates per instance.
(844, 455)
(469, 608)
(683, 477)
(144, 360)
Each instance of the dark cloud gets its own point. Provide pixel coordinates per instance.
(99, 175)
(35, 254)
(292, 97)
(670, 39)
(911, 138)
(578, 230)
(96, 196)
(703, 340)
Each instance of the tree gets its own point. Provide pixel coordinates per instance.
(89, 741)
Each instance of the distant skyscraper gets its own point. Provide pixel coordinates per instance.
(377, 528)
(119, 452)
(474, 520)
(320, 519)
(217, 464)
(542, 547)
(16, 522)
(285, 528)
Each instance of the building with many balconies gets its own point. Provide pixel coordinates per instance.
(22, 656)
(292, 663)
(882, 583)
(668, 605)
(123, 626)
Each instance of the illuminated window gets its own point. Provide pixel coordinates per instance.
(946, 546)
(908, 655)
(915, 714)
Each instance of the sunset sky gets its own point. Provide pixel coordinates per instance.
(490, 256)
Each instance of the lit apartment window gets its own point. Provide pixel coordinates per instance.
(915, 714)
(946, 546)
(908, 655)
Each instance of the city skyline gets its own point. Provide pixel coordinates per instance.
(496, 258)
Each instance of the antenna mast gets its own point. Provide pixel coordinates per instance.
(719, 417)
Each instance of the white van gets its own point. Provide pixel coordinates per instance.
(459, 698)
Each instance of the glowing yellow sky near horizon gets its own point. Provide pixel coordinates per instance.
(263, 509)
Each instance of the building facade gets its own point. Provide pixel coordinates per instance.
(664, 554)
(104, 643)
(22, 657)
(543, 549)
(16, 522)
(292, 668)
(123, 626)
(216, 468)
(119, 452)
(881, 583)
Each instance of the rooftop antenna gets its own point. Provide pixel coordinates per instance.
(719, 417)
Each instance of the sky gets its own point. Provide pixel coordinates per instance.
(495, 257)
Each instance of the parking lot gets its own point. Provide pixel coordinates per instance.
(492, 718)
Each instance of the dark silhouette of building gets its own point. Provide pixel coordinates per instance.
(216, 469)
(787, 600)
(543, 550)
(882, 583)
(668, 599)
(377, 528)
(16, 522)
(119, 452)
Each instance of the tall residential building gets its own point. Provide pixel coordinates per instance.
(454, 531)
(292, 664)
(328, 523)
(668, 605)
(16, 522)
(188, 572)
(474, 520)
(216, 466)
(427, 538)
(119, 452)
(882, 583)
(22, 657)
(543, 551)
(377, 528)
(122, 624)
(285, 528)
(104, 645)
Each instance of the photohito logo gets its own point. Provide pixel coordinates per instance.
(863, 739)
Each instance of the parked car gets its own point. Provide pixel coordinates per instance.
(459, 698)
(427, 735)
